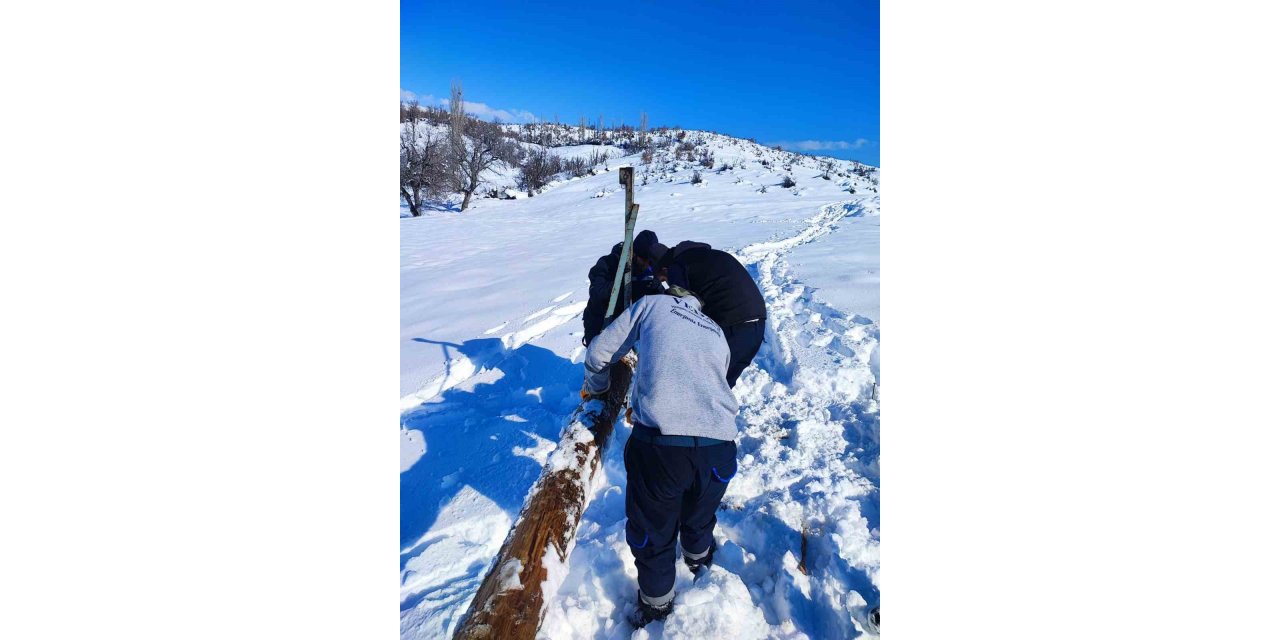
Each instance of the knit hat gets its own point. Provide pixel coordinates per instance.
(642, 243)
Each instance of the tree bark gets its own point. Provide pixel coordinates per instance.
(413, 205)
(511, 600)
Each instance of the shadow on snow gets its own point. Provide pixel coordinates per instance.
(473, 432)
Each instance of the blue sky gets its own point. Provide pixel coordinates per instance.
(802, 74)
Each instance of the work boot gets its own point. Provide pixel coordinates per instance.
(698, 564)
(646, 613)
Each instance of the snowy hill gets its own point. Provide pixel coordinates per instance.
(491, 303)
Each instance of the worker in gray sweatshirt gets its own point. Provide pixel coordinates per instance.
(681, 453)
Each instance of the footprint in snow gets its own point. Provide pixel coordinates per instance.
(538, 313)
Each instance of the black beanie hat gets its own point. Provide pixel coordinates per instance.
(640, 246)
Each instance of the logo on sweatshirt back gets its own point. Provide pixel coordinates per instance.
(682, 313)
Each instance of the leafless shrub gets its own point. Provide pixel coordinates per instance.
(706, 158)
(577, 167)
(538, 169)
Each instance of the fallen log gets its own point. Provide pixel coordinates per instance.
(530, 565)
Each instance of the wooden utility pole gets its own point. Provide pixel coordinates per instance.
(513, 596)
(622, 277)
(627, 178)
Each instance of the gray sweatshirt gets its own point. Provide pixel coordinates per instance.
(680, 386)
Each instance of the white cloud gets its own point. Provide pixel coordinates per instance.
(485, 112)
(409, 96)
(821, 145)
(477, 109)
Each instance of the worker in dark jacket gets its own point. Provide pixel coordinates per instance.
(730, 296)
(643, 283)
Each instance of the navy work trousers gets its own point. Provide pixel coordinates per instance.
(744, 341)
(672, 490)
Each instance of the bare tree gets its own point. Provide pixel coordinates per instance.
(411, 111)
(457, 112)
(422, 164)
(473, 154)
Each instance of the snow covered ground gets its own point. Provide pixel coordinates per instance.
(491, 303)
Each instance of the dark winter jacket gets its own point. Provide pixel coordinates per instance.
(601, 276)
(728, 293)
